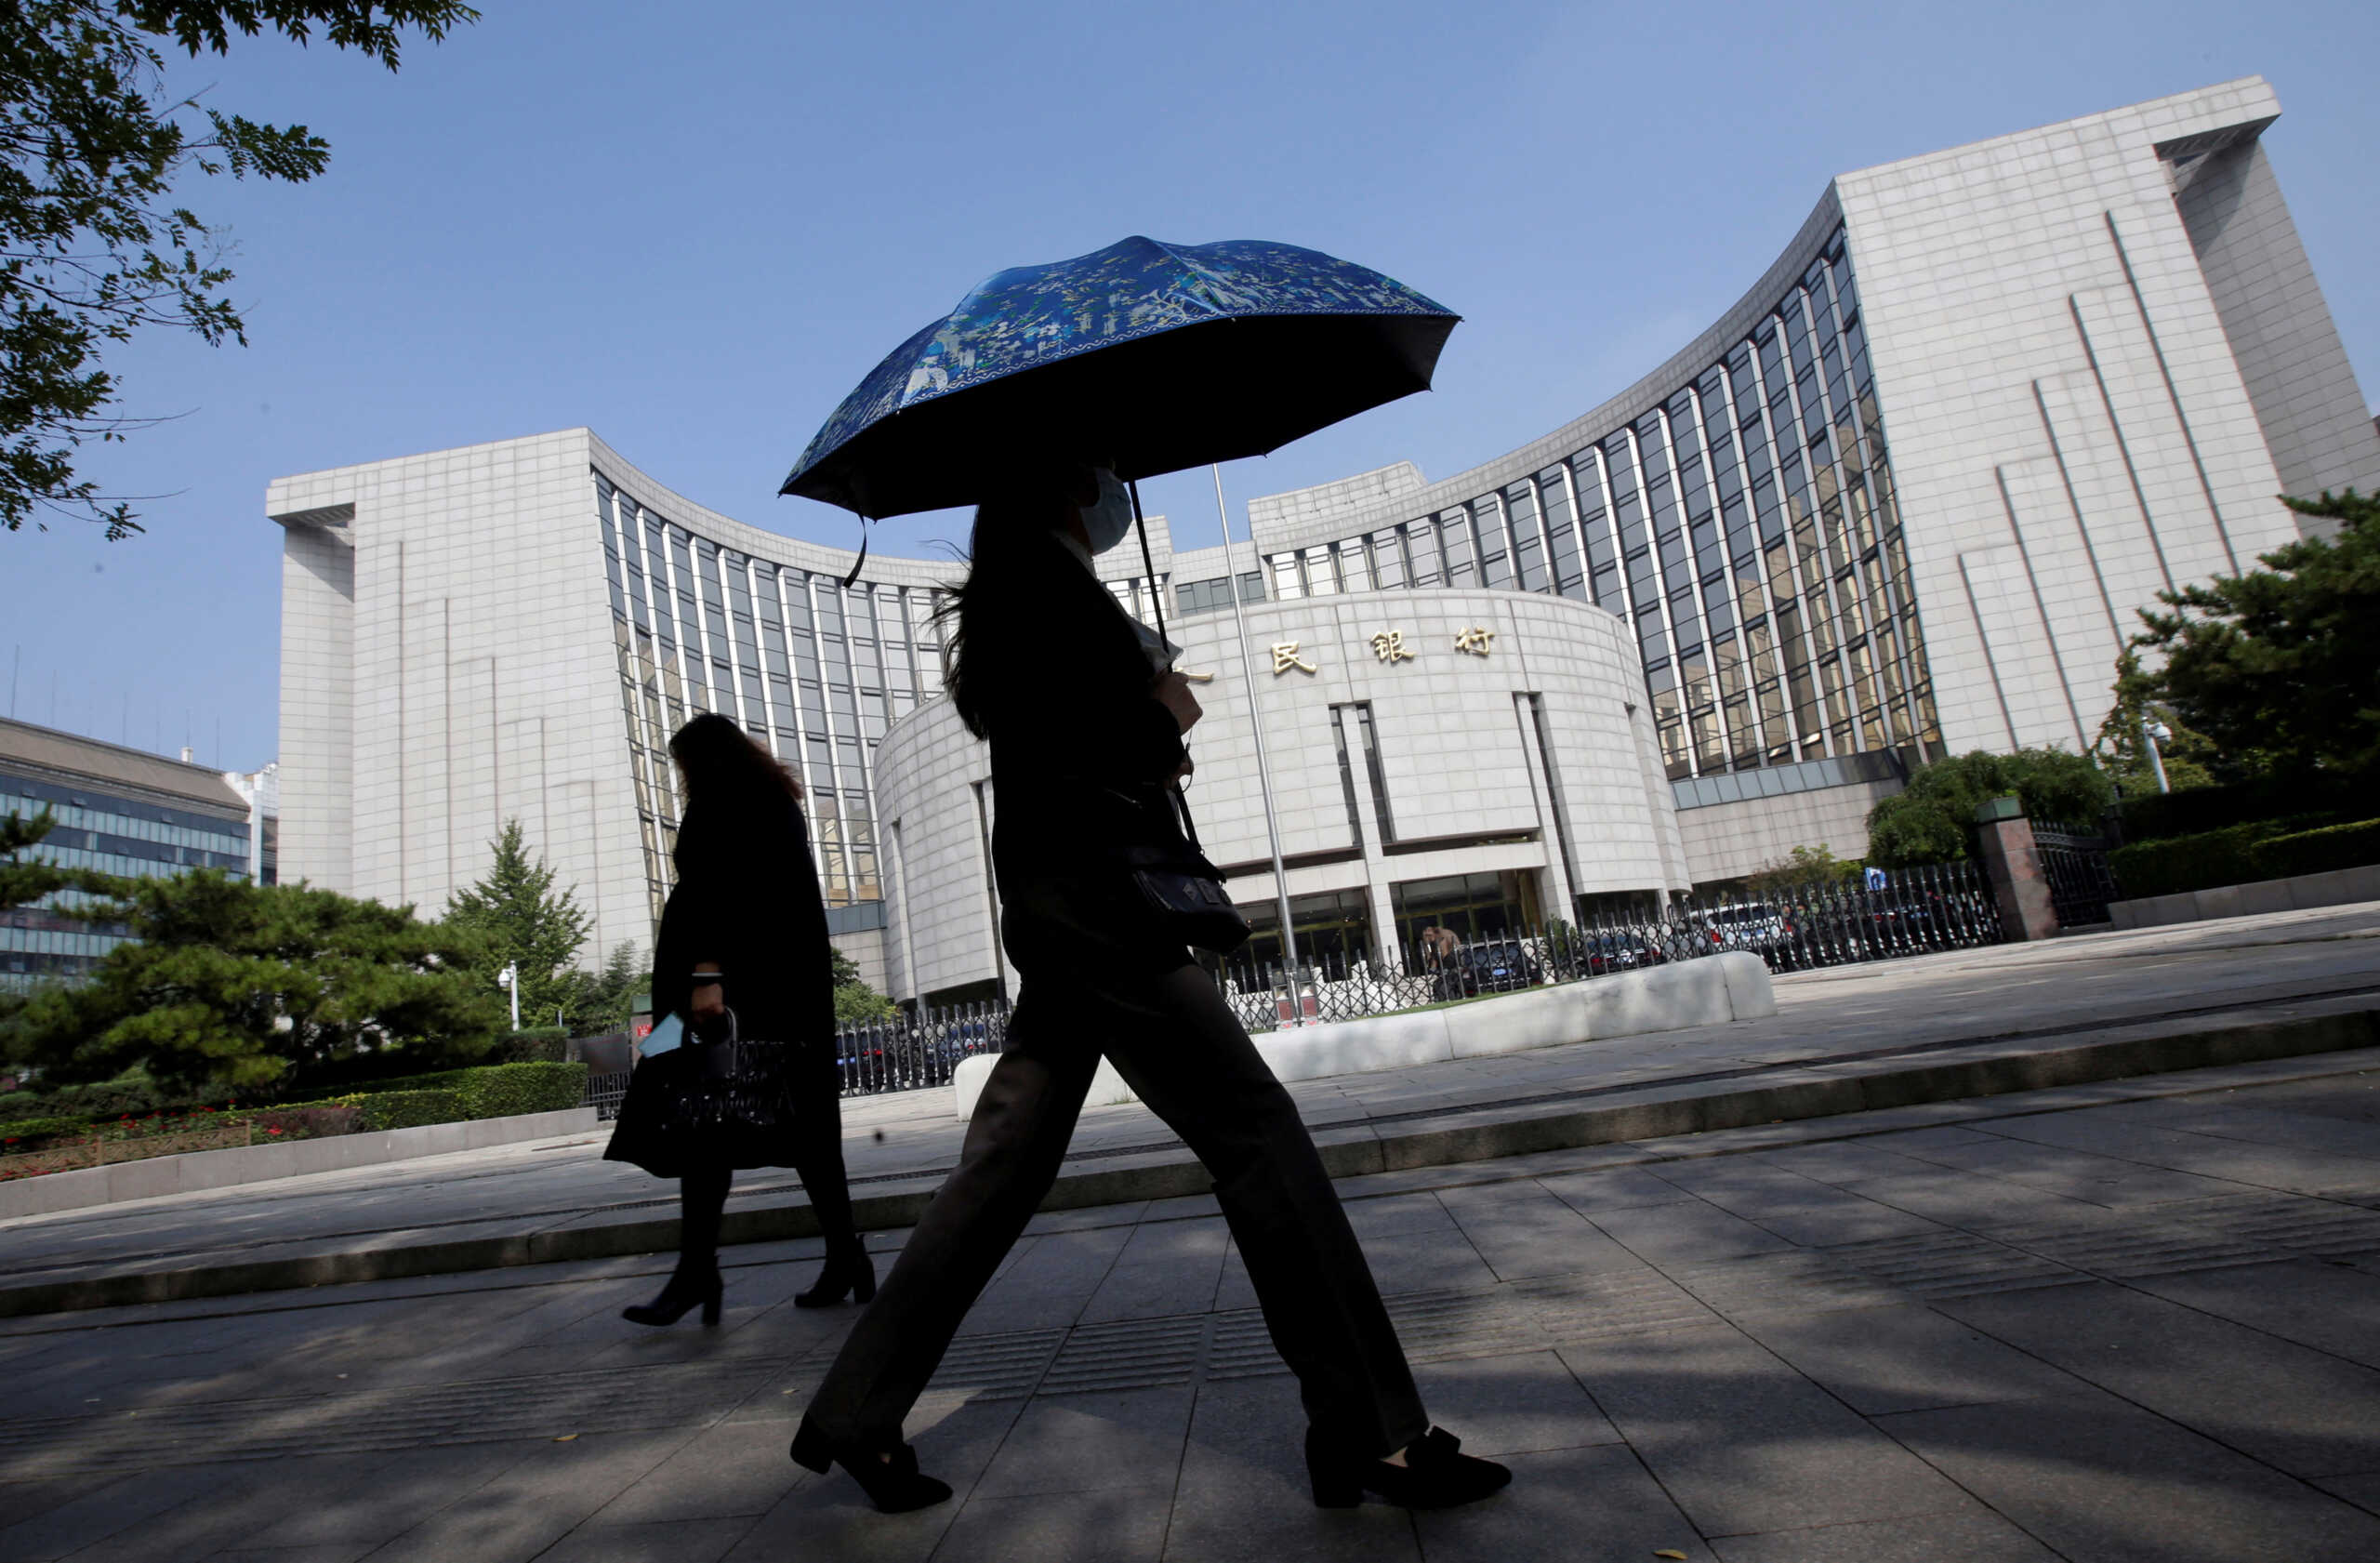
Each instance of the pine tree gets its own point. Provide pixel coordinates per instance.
(22, 883)
(854, 1000)
(515, 917)
(2122, 746)
(596, 1002)
(2279, 668)
(233, 984)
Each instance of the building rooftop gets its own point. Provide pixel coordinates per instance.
(108, 764)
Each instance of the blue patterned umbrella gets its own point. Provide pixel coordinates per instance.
(1151, 356)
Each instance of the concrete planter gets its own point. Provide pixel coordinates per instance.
(222, 1169)
(1731, 985)
(2340, 887)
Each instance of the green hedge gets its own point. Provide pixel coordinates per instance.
(31, 1134)
(538, 1044)
(411, 1102)
(2202, 810)
(2242, 854)
(2317, 852)
(507, 1089)
(405, 1109)
(2175, 864)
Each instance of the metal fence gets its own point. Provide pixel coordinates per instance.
(1912, 911)
(603, 1094)
(2075, 863)
(916, 1050)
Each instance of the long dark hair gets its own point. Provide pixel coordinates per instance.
(982, 617)
(725, 767)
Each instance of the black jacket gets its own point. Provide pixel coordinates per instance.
(1081, 750)
(748, 898)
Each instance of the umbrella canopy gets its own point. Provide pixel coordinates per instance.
(1150, 356)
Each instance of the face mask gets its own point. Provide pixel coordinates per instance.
(1105, 523)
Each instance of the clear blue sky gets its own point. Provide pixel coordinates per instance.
(693, 227)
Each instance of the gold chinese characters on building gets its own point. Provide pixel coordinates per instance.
(1475, 641)
(1285, 656)
(1389, 647)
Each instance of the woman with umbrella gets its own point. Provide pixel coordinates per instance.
(1085, 751)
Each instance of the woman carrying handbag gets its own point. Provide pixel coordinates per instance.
(1103, 888)
(743, 960)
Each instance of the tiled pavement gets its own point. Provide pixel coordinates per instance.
(2073, 1326)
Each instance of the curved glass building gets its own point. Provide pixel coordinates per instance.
(1903, 498)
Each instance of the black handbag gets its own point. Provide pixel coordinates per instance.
(1185, 892)
(708, 1102)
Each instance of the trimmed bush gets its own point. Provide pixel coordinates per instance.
(540, 1044)
(507, 1089)
(104, 1099)
(2316, 851)
(2175, 864)
(35, 1133)
(306, 1123)
(2201, 809)
(405, 1109)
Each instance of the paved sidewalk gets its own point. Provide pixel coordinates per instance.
(1926, 1017)
(2052, 1326)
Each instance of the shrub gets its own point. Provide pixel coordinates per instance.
(37, 1133)
(505, 1090)
(2316, 852)
(2174, 864)
(2158, 816)
(1932, 820)
(104, 1099)
(540, 1044)
(307, 1122)
(405, 1109)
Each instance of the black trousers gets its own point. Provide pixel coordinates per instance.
(1181, 1049)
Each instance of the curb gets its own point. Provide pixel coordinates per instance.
(1719, 1104)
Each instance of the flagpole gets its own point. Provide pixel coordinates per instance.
(1256, 727)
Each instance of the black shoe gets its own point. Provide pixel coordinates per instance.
(678, 1296)
(894, 1486)
(1435, 1476)
(847, 1270)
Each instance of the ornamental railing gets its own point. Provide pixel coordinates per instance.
(2075, 862)
(1907, 911)
(915, 1050)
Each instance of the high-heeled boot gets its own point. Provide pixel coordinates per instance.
(1435, 1474)
(683, 1290)
(848, 1269)
(702, 1198)
(890, 1476)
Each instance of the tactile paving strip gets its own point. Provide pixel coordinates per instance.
(1952, 1263)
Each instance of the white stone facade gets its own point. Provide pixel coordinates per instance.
(1903, 499)
(1530, 755)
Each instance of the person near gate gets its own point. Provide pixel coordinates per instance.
(742, 960)
(1085, 724)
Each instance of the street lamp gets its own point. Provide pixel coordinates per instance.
(509, 980)
(2157, 732)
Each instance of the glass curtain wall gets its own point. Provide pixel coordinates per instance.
(93, 828)
(815, 669)
(1747, 529)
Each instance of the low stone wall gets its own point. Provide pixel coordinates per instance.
(1708, 992)
(2339, 887)
(224, 1169)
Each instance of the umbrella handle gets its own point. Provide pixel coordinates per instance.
(1156, 606)
(1148, 563)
